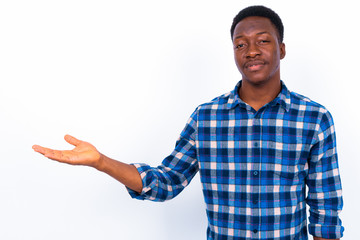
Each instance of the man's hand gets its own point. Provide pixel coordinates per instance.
(83, 154)
(86, 154)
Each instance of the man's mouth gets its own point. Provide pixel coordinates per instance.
(255, 65)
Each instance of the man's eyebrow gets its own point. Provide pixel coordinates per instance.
(237, 37)
(264, 32)
(259, 33)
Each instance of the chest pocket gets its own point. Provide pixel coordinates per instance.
(288, 159)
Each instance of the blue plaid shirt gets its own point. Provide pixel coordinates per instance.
(254, 168)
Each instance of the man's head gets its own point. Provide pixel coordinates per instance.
(258, 46)
(259, 11)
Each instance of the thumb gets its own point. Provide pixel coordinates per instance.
(72, 140)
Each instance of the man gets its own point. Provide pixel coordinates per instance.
(256, 149)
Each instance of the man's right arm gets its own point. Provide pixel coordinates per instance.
(86, 154)
(125, 173)
(159, 183)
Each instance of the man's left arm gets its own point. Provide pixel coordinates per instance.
(325, 191)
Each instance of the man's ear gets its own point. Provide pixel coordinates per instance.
(282, 50)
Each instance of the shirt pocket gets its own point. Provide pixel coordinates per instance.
(289, 161)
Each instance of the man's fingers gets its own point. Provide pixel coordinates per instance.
(52, 154)
(42, 150)
(38, 149)
(72, 140)
(79, 155)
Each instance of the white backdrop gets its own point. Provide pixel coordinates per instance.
(125, 76)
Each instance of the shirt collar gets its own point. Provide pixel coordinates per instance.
(283, 99)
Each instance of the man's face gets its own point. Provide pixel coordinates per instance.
(257, 50)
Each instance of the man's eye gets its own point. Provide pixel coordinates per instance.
(264, 41)
(240, 46)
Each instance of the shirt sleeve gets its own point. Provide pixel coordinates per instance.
(325, 191)
(176, 171)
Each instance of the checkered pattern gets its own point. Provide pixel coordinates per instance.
(254, 167)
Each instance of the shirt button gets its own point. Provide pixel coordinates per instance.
(255, 201)
(255, 173)
(256, 144)
(255, 231)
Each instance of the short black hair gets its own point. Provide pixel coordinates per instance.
(259, 11)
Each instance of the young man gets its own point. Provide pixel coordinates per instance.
(256, 148)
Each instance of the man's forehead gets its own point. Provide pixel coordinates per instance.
(254, 23)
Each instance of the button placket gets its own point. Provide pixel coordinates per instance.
(255, 175)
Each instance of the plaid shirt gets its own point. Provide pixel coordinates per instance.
(254, 167)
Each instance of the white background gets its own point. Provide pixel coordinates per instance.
(125, 76)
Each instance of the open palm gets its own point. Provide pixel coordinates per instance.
(83, 154)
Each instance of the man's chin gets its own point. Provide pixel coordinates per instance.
(256, 81)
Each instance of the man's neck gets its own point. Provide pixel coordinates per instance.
(259, 95)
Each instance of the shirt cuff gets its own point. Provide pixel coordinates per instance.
(141, 168)
(326, 231)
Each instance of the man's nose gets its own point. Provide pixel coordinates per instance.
(253, 50)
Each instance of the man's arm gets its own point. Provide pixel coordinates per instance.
(323, 179)
(159, 183)
(86, 154)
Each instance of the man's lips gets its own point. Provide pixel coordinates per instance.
(254, 65)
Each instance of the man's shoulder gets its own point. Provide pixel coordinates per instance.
(302, 102)
(218, 102)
